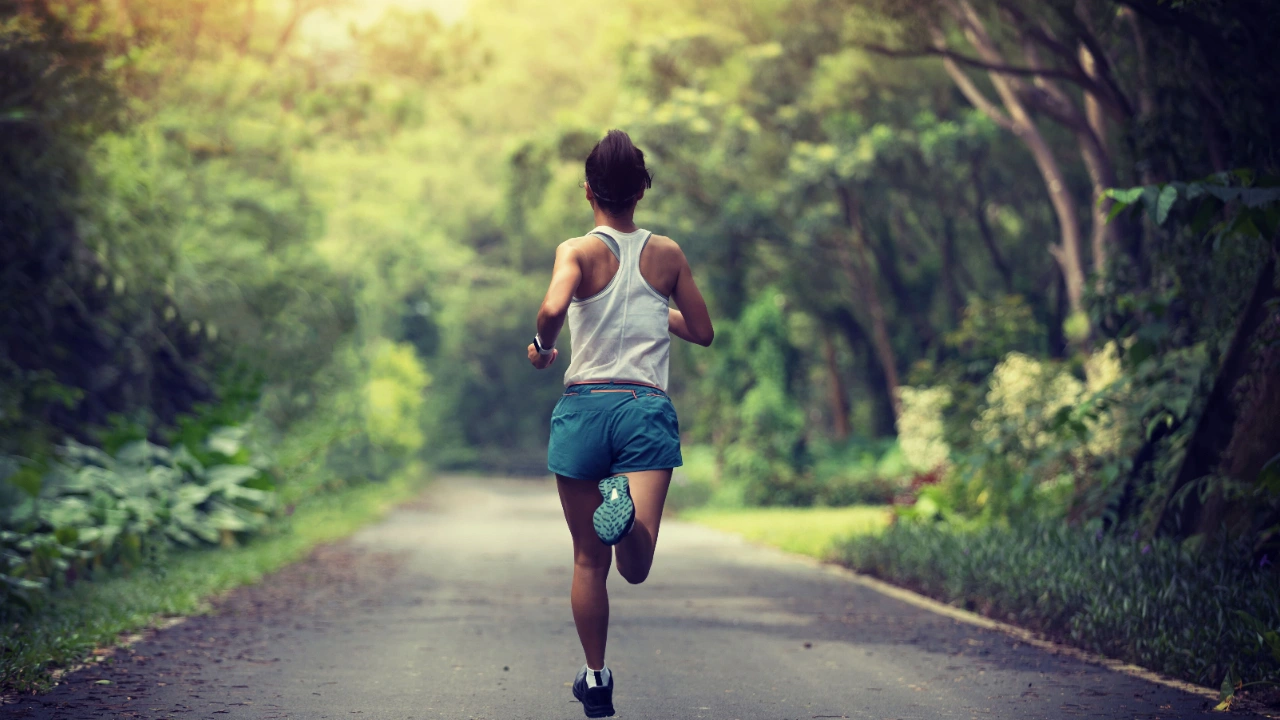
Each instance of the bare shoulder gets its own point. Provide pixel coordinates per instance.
(667, 248)
(572, 248)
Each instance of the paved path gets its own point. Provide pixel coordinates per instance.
(457, 607)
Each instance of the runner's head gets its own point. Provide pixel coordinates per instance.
(616, 173)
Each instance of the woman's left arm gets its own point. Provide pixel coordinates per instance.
(565, 277)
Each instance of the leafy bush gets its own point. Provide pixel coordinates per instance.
(989, 331)
(920, 427)
(91, 510)
(762, 432)
(855, 488)
(859, 473)
(1193, 616)
(856, 473)
(394, 398)
(1045, 441)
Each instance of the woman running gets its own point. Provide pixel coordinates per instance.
(614, 434)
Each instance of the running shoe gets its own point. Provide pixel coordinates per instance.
(617, 514)
(597, 702)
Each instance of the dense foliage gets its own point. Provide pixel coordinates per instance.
(95, 510)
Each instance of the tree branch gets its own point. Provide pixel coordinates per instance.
(1115, 100)
(973, 62)
(970, 90)
(1103, 66)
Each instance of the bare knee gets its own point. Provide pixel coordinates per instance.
(592, 563)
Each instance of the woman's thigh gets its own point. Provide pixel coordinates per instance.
(579, 499)
(649, 493)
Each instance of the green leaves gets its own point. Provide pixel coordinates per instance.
(98, 510)
(1227, 691)
(1164, 203)
(1269, 476)
(1251, 211)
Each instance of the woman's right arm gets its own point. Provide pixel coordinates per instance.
(564, 283)
(691, 321)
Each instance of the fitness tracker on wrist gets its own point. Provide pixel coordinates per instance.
(537, 345)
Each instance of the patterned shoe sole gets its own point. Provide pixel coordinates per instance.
(615, 516)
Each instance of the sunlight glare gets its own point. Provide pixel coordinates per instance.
(329, 29)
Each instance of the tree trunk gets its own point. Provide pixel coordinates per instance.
(1058, 316)
(887, 262)
(246, 31)
(856, 262)
(949, 261)
(1093, 148)
(984, 229)
(296, 13)
(883, 417)
(836, 391)
(1213, 429)
(1067, 253)
(1018, 121)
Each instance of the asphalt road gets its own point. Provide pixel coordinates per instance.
(457, 607)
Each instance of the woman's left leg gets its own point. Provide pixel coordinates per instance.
(591, 558)
(635, 551)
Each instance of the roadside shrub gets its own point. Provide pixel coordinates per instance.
(1195, 616)
(860, 472)
(762, 425)
(92, 511)
(393, 397)
(1042, 437)
(989, 331)
(1024, 398)
(855, 488)
(920, 428)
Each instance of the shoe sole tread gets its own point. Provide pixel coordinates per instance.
(615, 516)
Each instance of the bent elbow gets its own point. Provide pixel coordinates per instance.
(548, 313)
(706, 338)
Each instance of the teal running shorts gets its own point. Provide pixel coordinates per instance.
(604, 429)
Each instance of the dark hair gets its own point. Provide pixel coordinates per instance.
(616, 173)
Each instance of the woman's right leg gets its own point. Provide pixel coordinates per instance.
(591, 559)
(635, 552)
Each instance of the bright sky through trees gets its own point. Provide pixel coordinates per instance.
(330, 28)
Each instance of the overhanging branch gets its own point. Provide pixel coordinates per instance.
(977, 63)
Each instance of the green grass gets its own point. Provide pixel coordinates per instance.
(808, 531)
(94, 614)
(1199, 614)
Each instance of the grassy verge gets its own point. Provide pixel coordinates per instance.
(1204, 615)
(809, 531)
(90, 614)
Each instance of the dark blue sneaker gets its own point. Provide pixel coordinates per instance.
(617, 514)
(597, 702)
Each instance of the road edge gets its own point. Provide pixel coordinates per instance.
(385, 496)
(925, 602)
(937, 607)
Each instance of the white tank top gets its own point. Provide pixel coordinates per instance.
(622, 333)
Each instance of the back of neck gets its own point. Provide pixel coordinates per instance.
(621, 224)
